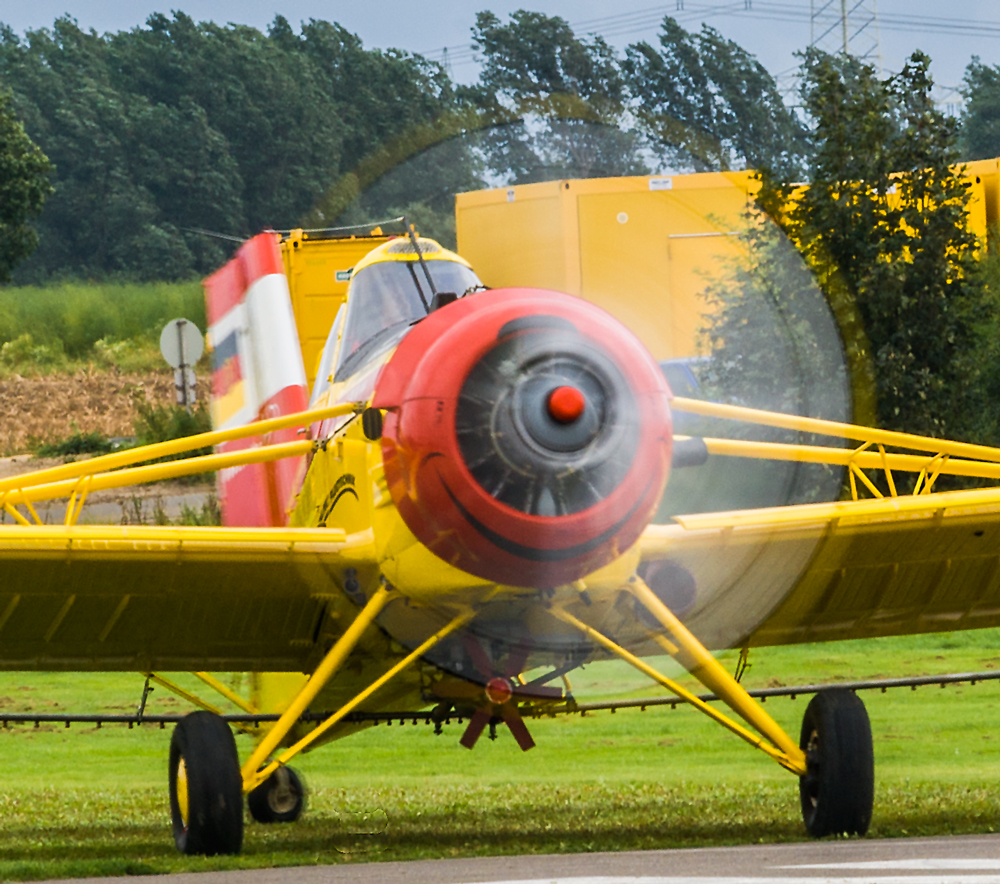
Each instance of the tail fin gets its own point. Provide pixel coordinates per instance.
(257, 373)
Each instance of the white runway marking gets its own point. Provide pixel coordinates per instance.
(909, 865)
(746, 879)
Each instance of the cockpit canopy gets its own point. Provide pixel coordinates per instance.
(387, 296)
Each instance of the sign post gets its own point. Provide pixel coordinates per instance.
(182, 344)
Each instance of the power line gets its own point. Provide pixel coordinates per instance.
(607, 26)
(643, 19)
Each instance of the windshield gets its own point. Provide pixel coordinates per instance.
(386, 298)
(324, 372)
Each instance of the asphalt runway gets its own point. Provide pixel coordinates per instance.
(971, 859)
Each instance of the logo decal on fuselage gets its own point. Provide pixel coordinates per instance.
(343, 485)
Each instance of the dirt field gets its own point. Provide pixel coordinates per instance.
(47, 408)
(42, 409)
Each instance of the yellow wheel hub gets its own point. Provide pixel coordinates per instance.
(281, 797)
(182, 790)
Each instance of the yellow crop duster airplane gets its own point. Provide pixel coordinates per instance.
(466, 498)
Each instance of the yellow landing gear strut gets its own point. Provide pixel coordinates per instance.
(834, 761)
(255, 771)
(694, 657)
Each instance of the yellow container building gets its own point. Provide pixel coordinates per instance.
(644, 248)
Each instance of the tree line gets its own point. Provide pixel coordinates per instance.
(141, 136)
(178, 124)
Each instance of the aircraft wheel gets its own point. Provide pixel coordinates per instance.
(281, 798)
(838, 789)
(206, 787)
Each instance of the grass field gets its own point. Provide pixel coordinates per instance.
(70, 326)
(83, 802)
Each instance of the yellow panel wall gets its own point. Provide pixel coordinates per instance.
(984, 174)
(318, 271)
(647, 255)
(644, 248)
(515, 236)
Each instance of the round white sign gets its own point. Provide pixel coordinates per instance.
(181, 343)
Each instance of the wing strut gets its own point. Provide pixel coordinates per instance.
(693, 655)
(317, 681)
(253, 777)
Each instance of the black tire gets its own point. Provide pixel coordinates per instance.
(838, 789)
(213, 823)
(281, 798)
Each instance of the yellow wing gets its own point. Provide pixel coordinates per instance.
(172, 598)
(853, 569)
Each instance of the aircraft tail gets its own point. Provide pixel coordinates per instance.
(257, 373)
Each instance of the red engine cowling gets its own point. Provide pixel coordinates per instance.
(528, 435)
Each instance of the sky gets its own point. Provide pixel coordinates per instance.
(773, 31)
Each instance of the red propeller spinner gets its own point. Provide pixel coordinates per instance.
(528, 435)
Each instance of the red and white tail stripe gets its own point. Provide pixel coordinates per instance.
(257, 373)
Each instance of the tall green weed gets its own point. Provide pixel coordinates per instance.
(111, 324)
(162, 423)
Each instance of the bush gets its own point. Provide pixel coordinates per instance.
(133, 355)
(135, 512)
(161, 423)
(24, 351)
(209, 513)
(78, 443)
(109, 352)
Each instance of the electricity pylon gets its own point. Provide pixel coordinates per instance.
(848, 26)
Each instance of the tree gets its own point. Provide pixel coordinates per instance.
(24, 185)
(568, 96)
(882, 225)
(393, 105)
(102, 218)
(773, 341)
(706, 103)
(773, 344)
(980, 138)
(259, 99)
(887, 205)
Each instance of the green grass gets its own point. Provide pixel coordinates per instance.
(66, 326)
(84, 802)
